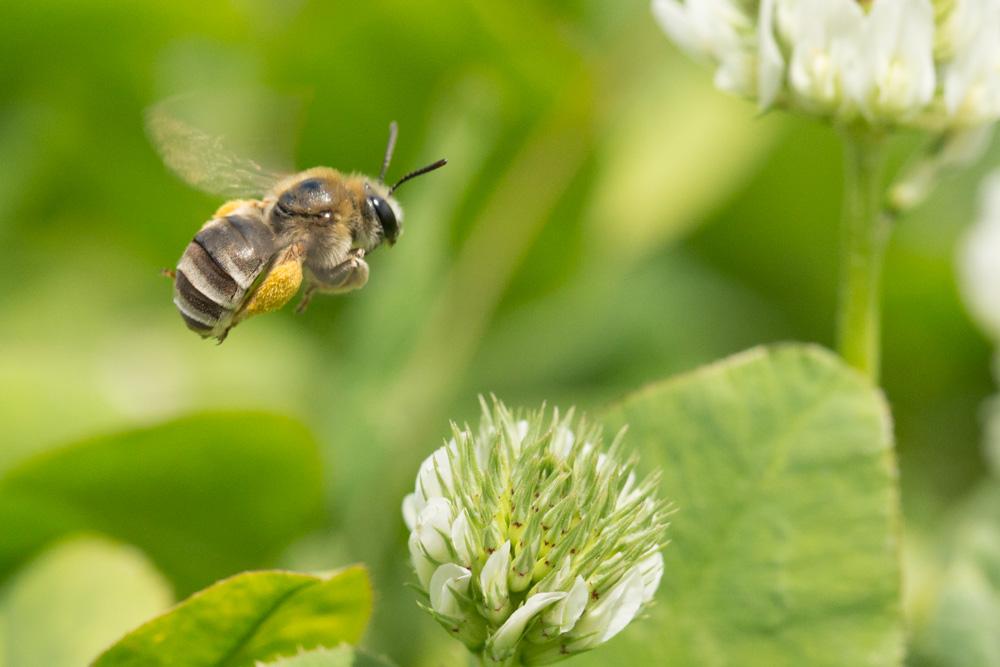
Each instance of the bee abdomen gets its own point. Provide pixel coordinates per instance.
(200, 313)
(217, 270)
(240, 244)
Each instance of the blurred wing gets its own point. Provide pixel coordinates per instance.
(204, 160)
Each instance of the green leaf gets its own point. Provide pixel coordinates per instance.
(204, 496)
(964, 625)
(342, 656)
(75, 599)
(255, 616)
(784, 545)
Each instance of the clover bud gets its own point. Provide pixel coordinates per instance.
(530, 541)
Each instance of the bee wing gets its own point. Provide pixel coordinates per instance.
(205, 160)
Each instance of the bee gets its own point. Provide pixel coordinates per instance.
(277, 233)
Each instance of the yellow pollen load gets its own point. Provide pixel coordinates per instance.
(278, 288)
(232, 206)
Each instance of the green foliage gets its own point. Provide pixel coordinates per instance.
(74, 600)
(964, 625)
(342, 656)
(255, 616)
(204, 496)
(784, 547)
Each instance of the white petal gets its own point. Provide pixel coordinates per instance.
(735, 73)
(506, 638)
(676, 22)
(447, 580)
(423, 566)
(972, 78)
(516, 433)
(435, 469)
(899, 57)
(493, 578)
(825, 55)
(461, 537)
(564, 614)
(967, 23)
(787, 19)
(714, 30)
(611, 614)
(626, 599)
(771, 64)
(562, 443)
(433, 528)
(652, 571)
(411, 508)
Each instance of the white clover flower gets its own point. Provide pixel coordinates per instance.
(923, 63)
(824, 45)
(967, 43)
(897, 76)
(717, 30)
(530, 542)
(979, 262)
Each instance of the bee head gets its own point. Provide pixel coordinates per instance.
(380, 203)
(381, 208)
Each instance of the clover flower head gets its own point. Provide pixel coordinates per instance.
(926, 63)
(529, 542)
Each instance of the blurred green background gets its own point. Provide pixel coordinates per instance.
(607, 219)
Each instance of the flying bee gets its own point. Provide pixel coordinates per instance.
(280, 231)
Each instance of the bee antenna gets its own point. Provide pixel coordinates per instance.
(418, 172)
(390, 147)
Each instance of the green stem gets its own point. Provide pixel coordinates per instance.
(864, 233)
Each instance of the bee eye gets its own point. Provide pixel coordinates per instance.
(386, 217)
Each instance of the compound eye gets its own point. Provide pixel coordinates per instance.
(386, 217)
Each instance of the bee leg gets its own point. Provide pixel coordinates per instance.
(168, 273)
(351, 274)
(306, 298)
(277, 288)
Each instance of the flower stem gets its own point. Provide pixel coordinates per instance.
(864, 233)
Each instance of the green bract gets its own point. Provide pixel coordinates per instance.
(529, 541)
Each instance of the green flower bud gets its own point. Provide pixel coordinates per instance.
(531, 541)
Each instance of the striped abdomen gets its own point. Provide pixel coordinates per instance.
(219, 269)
